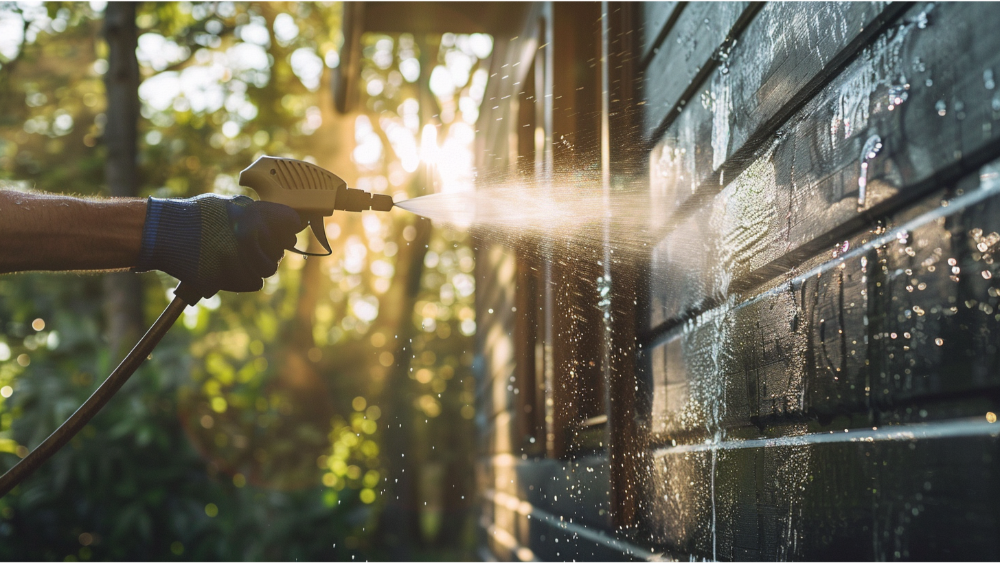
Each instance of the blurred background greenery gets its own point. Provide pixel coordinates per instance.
(327, 416)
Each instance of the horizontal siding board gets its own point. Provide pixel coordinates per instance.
(555, 541)
(939, 333)
(767, 377)
(733, 235)
(550, 539)
(685, 55)
(576, 489)
(654, 17)
(866, 499)
(740, 104)
(798, 350)
(920, 147)
(834, 309)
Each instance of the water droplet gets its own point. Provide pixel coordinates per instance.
(929, 82)
(898, 94)
(922, 20)
(941, 108)
(872, 146)
(988, 81)
(939, 342)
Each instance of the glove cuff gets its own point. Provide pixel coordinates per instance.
(171, 232)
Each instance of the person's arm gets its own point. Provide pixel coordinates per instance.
(209, 242)
(51, 232)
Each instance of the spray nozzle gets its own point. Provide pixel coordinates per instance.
(360, 200)
(312, 191)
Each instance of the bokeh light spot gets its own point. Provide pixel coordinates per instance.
(359, 403)
(367, 496)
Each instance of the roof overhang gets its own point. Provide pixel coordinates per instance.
(499, 19)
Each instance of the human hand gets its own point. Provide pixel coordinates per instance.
(217, 243)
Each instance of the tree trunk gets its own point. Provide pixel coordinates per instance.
(401, 518)
(401, 526)
(123, 290)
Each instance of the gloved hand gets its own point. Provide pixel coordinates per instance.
(217, 243)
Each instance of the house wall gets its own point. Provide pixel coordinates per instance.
(804, 365)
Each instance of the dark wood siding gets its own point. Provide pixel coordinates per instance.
(807, 360)
(805, 399)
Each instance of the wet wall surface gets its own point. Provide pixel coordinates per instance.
(818, 371)
(824, 327)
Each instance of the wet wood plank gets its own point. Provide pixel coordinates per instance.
(833, 310)
(577, 487)
(937, 335)
(654, 17)
(537, 501)
(733, 235)
(542, 536)
(782, 59)
(728, 368)
(820, 497)
(685, 55)
(799, 350)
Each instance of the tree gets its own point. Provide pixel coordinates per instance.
(123, 291)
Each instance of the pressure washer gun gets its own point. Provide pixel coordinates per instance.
(310, 190)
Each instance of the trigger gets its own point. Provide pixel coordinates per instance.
(319, 231)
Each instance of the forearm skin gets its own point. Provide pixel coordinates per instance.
(51, 232)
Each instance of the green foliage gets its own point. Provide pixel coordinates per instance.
(257, 430)
(146, 479)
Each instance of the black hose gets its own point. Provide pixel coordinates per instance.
(96, 402)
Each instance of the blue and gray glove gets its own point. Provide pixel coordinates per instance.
(214, 243)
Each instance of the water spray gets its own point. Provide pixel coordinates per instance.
(312, 191)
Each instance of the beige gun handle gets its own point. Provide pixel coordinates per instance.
(302, 186)
(312, 191)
